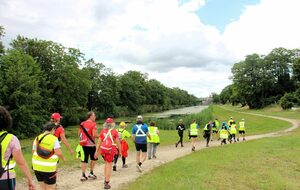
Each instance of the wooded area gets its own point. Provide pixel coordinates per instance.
(38, 77)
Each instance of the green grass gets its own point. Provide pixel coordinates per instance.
(254, 124)
(270, 163)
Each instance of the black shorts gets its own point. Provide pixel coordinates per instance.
(4, 184)
(193, 136)
(141, 147)
(48, 178)
(241, 132)
(89, 151)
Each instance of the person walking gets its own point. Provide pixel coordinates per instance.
(242, 130)
(193, 133)
(215, 127)
(87, 133)
(180, 127)
(223, 133)
(207, 132)
(108, 146)
(60, 132)
(11, 154)
(154, 141)
(123, 135)
(232, 131)
(46, 153)
(139, 136)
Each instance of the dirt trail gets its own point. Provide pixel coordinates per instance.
(69, 179)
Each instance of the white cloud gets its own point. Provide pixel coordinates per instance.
(263, 27)
(166, 39)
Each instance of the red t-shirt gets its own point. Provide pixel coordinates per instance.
(89, 127)
(59, 130)
(114, 134)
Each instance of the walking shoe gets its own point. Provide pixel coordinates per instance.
(181, 145)
(154, 157)
(106, 185)
(193, 149)
(176, 144)
(139, 168)
(125, 166)
(238, 139)
(149, 158)
(114, 168)
(92, 176)
(244, 139)
(83, 178)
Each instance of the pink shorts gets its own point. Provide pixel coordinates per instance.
(108, 155)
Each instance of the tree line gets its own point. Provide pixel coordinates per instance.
(38, 77)
(261, 80)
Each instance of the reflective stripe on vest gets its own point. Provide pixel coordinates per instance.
(153, 134)
(4, 145)
(193, 130)
(108, 135)
(42, 164)
(139, 129)
(233, 129)
(223, 134)
(242, 126)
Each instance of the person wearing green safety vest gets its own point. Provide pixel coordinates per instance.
(46, 153)
(230, 121)
(232, 131)
(215, 128)
(223, 133)
(207, 131)
(11, 155)
(154, 141)
(242, 130)
(193, 133)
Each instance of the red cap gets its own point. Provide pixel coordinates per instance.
(56, 116)
(109, 120)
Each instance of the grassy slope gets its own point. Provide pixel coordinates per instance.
(270, 163)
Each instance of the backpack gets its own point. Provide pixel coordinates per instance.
(107, 142)
(2, 137)
(43, 152)
(120, 133)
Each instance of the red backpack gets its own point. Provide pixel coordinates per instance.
(107, 142)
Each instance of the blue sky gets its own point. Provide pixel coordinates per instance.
(219, 13)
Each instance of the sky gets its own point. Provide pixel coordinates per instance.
(190, 44)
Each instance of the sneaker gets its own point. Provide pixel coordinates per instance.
(154, 157)
(139, 168)
(114, 168)
(92, 176)
(106, 185)
(149, 158)
(181, 145)
(193, 149)
(125, 166)
(176, 144)
(244, 139)
(83, 178)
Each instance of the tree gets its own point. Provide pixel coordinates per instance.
(1, 44)
(21, 93)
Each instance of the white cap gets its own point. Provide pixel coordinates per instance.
(243, 119)
(139, 117)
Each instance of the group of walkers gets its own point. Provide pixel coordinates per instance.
(227, 131)
(46, 149)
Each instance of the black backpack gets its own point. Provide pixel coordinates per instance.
(1, 167)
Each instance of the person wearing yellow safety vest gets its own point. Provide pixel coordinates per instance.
(46, 153)
(11, 155)
(207, 131)
(123, 134)
(232, 131)
(223, 133)
(242, 130)
(215, 128)
(154, 141)
(230, 121)
(193, 133)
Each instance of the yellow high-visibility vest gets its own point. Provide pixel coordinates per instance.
(5, 142)
(223, 134)
(154, 136)
(193, 129)
(233, 129)
(242, 126)
(42, 164)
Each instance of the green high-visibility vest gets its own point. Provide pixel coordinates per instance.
(42, 164)
(242, 126)
(233, 129)
(154, 136)
(217, 124)
(193, 129)
(4, 144)
(223, 134)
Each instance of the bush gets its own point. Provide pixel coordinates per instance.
(288, 101)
